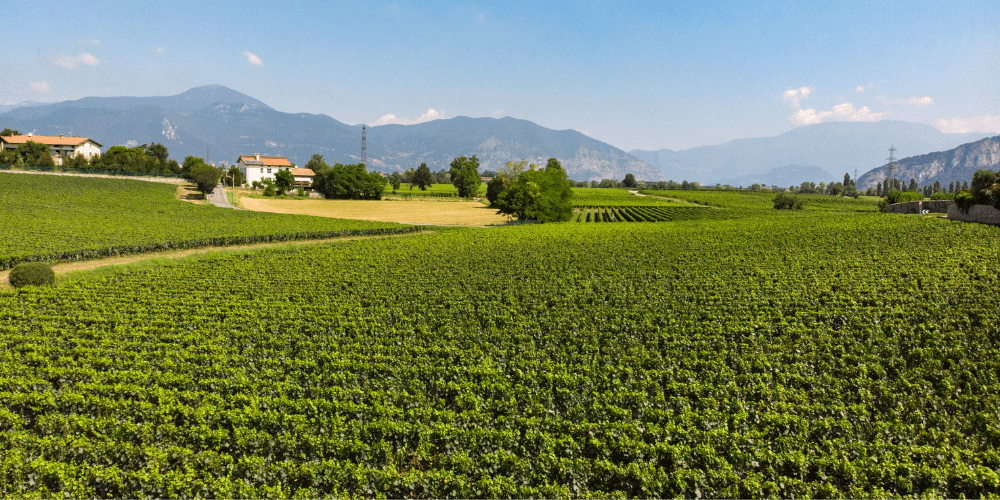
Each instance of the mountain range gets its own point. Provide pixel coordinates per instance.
(221, 123)
(803, 154)
(957, 164)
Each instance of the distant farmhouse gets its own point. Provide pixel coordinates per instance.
(62, 147)
(256, 168)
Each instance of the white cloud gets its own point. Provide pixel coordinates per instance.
(860, 88)
(385, 120)
(794, 96)
(40, 86)
(920, 101)
(390, 118)
(161, 50)
(987, 124)
(70, 62)
(431, 114)
(842, 112)
(253, 59)
(482, 17)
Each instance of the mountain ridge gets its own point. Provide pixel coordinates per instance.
(956, 164)
(216, 122)
(835, 147)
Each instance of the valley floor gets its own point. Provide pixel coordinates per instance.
(826, 352)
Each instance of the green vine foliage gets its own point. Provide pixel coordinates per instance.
(796, 354)
(73, 218)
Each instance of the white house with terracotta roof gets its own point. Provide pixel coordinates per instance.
(61, 147)
(257, 168)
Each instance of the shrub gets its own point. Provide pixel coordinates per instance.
(941, 195)
(901, 197)
(964, 200)
(785, 201)
(881, 205)
(31, 273)
(269, 189)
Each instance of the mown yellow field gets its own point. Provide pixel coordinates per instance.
(463, 213)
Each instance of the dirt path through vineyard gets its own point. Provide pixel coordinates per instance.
(81, 265)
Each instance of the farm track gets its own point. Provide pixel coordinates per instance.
(129, 259)
(166, 180)
(218, 198)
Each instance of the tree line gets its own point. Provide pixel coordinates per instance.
(147, 158)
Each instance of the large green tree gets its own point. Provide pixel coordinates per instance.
(235, 175)
(283, 181)
(395, 179)
(317, 164)
(629, 181)
(158, 151)
(352, 182)
(423, 178)
(542, 195)
(35, 154)
(504, 178)
(204, 175)
(9, 132)
(189, 163)
(464, 174)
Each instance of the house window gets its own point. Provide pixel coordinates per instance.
(268, 170)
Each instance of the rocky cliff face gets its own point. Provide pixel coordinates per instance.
(956, 164)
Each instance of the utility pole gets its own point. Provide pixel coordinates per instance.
(364, 152)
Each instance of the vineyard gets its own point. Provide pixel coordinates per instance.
(618, 198)
(759, 355)
(647, 213)
(762, 200)
(71, 218)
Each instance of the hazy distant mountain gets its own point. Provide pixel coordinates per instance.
(788, 175)
(956, 164)
(230, 124)
(835, 147)
(7, 107)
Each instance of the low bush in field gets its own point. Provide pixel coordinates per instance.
(31, 273)
(785, 201)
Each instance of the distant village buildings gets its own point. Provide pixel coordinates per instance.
(256, 168)
(61, 147)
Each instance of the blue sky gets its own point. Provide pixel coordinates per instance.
(646, 75)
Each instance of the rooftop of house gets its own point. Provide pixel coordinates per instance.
(265, 161)
(303, 172)
(47, 140)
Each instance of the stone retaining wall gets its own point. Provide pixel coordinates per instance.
(983, 214)
(910, 207)
(916, 207)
